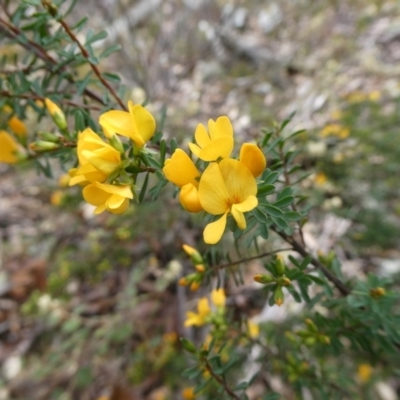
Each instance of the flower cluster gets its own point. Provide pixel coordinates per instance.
(10, 149)
(205, 314)
(226, 186)
(101, 162)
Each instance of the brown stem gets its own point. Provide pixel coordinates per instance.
(33, 96)
(343, 289)
(220, 380)
(243, 260)
(15, 33)
(94, 67)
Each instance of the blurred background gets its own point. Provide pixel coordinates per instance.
(89, 307)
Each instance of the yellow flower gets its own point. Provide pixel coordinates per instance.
(364, 372)
(375, 95)
(181, 171)
(188, 393)
(218, 143)
(253, 158)
(199, 319)
(218, 297)
(320, 179)
(227, 187)
(97, 159)
(253, 329)
(17, 126)
(56, 114)
(137, 124)
(8, 148)
(112, 198)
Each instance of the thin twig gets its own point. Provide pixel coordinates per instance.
(220, 380)
(343, 289)
(94, 67)
(33, 96)
(243, 260)
(15, 33)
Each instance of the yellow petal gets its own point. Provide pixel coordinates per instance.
(213, 193)
(180, 169)
(193, 319)
(253, 158)
(218, 297)
(203, 307)
(8, 148)
(103, 165)
(239, 217)
(17, 126)
(121, 122)
(194, 149)
(123, 190)
(201, 135)
(240, 182)
(221, 127)
(189, 198)
(220, 147)
(214, 231)
(247, 205)
(145, 122)
(95, 195)
(121, 209)
(114, 201)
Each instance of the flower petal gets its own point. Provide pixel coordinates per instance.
(221, 127)
(121, 209)
(203, 307)
(239, 217)
(114, 201)
(220, 147)
(8, 148)
(189, 198)
(180, 169)
(247, 205)
(218, 297)
(95, 195)
(213, 193)
(239, 181)
(123, 190)
(145, 122)
(194, 149)
(214, 231)
(253, 158)
(201, 135)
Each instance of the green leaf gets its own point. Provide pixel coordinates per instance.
(263, 231)
(109, 51)
(270, 177)
(114, 78)
(305, 262)
(287, 120)
(284, 202)
(291, 215)
(272, 210)
(144, 187)
(260, 216)
(264, 190)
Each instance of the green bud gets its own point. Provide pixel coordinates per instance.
(116, 143)
(263, 278)
(42, 146)
(310, 341)
(280, 266)
(311, 326)
(279, 296)
(49, 137)
(188, 346)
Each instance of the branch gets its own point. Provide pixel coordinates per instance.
(243, 260)
(220, 380)
(343, 289)
(94, 67)
(15, 33)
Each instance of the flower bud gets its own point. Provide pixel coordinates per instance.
(263, 278)
(194, 286)
(311, 326)
(188, 345)
(42, 146)
(49, 137)
(200, 268)
(57, 114)
(377, 292)
(280, 265)
(279, 296)
(116, 143)
(193, 253)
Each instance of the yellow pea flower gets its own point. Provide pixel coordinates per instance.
(112, 198)
(198, 319)
(97, 159)
(364, 372)
(218, 297)
(17, 126)
(138, 124)
(227, 187)
(253, 329)
(8, 148)
(253, 158)
(181, 171)
(217, 143)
